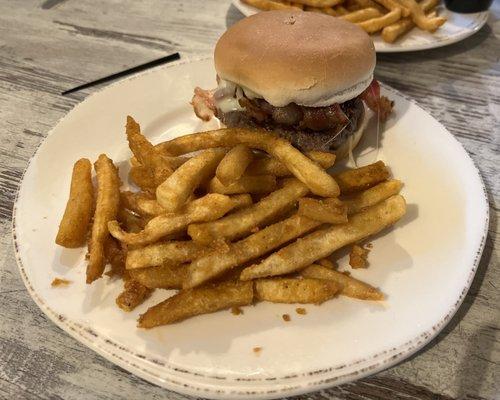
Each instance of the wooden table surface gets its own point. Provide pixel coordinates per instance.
(48, 46)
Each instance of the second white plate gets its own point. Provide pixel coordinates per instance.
(457, 28)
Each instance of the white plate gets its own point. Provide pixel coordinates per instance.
(425, 264)
(458, 27)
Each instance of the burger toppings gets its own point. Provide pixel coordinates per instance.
(307, 128)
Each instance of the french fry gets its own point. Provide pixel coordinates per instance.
(355, 180)
(322, 243)
(233, 165)
(349, 286)
(369, 3)
(162, 276)
(240, 223)
(304, 169)
(270, 165)
(319, 3)
(142, 177)
(107, 204)
(162, 253)
(420, 19)
(376, 24)
(246, 184)
(216, 263)
(149, 207)
(372, 196)
(293, 290)
(393, 5)
(362, 15)
(208, 208)
(202, 300)
(134, 294)
(146, 153)
(341, 10)
(115, 257)
(329, 211)
(392, 32)
(131, 200)
(241, 201)
(173, 193)
(326, 10)
(75, 222)
(268, 5)
(130, 221)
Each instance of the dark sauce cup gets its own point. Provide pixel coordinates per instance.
(468, 6)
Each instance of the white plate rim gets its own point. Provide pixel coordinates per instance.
(398, 48)
(329, 377)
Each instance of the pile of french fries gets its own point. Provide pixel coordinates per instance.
(228, 218)
(391, 18)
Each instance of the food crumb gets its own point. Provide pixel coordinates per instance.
(286, 318)
(369, 245)
(257, 350)
(255, 229)
(301, 311)
(236, 311)
(358, 256)
(57, 282)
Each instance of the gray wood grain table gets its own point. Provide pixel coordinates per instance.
(52, 45)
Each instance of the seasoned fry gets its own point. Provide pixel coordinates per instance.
(268, 5)
(241, 222)
(293, 290)
(358, 257)
(319, 3)
(420, 19)
(307, 171)
(241, 201)
(392, 32)
(362, 15)
(202, 300)
(162, 253)
(250, 248)
(173, 193)
(349, 286)
(130, 221)
(341, 10)
(131, 200)
(208, 208)
(358, 179)
(115, 257)
(246, 184)
(376, 24)
(108, 202)
(134, 294)
(369, 3)
(146, 154)
(78, 213)
(142, 177)
(233, 165)
(393, 5)
(270, 165)
(163, 276)
(322, 243)
(372, 196)
(329, 211)
(149, 207)
(327, 263)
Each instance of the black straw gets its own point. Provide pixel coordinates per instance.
(150, 64)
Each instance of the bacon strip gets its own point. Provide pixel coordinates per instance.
(203, 103)
(379, 104)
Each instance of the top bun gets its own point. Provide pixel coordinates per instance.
(308, 58)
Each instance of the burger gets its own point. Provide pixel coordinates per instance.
(305, 76)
